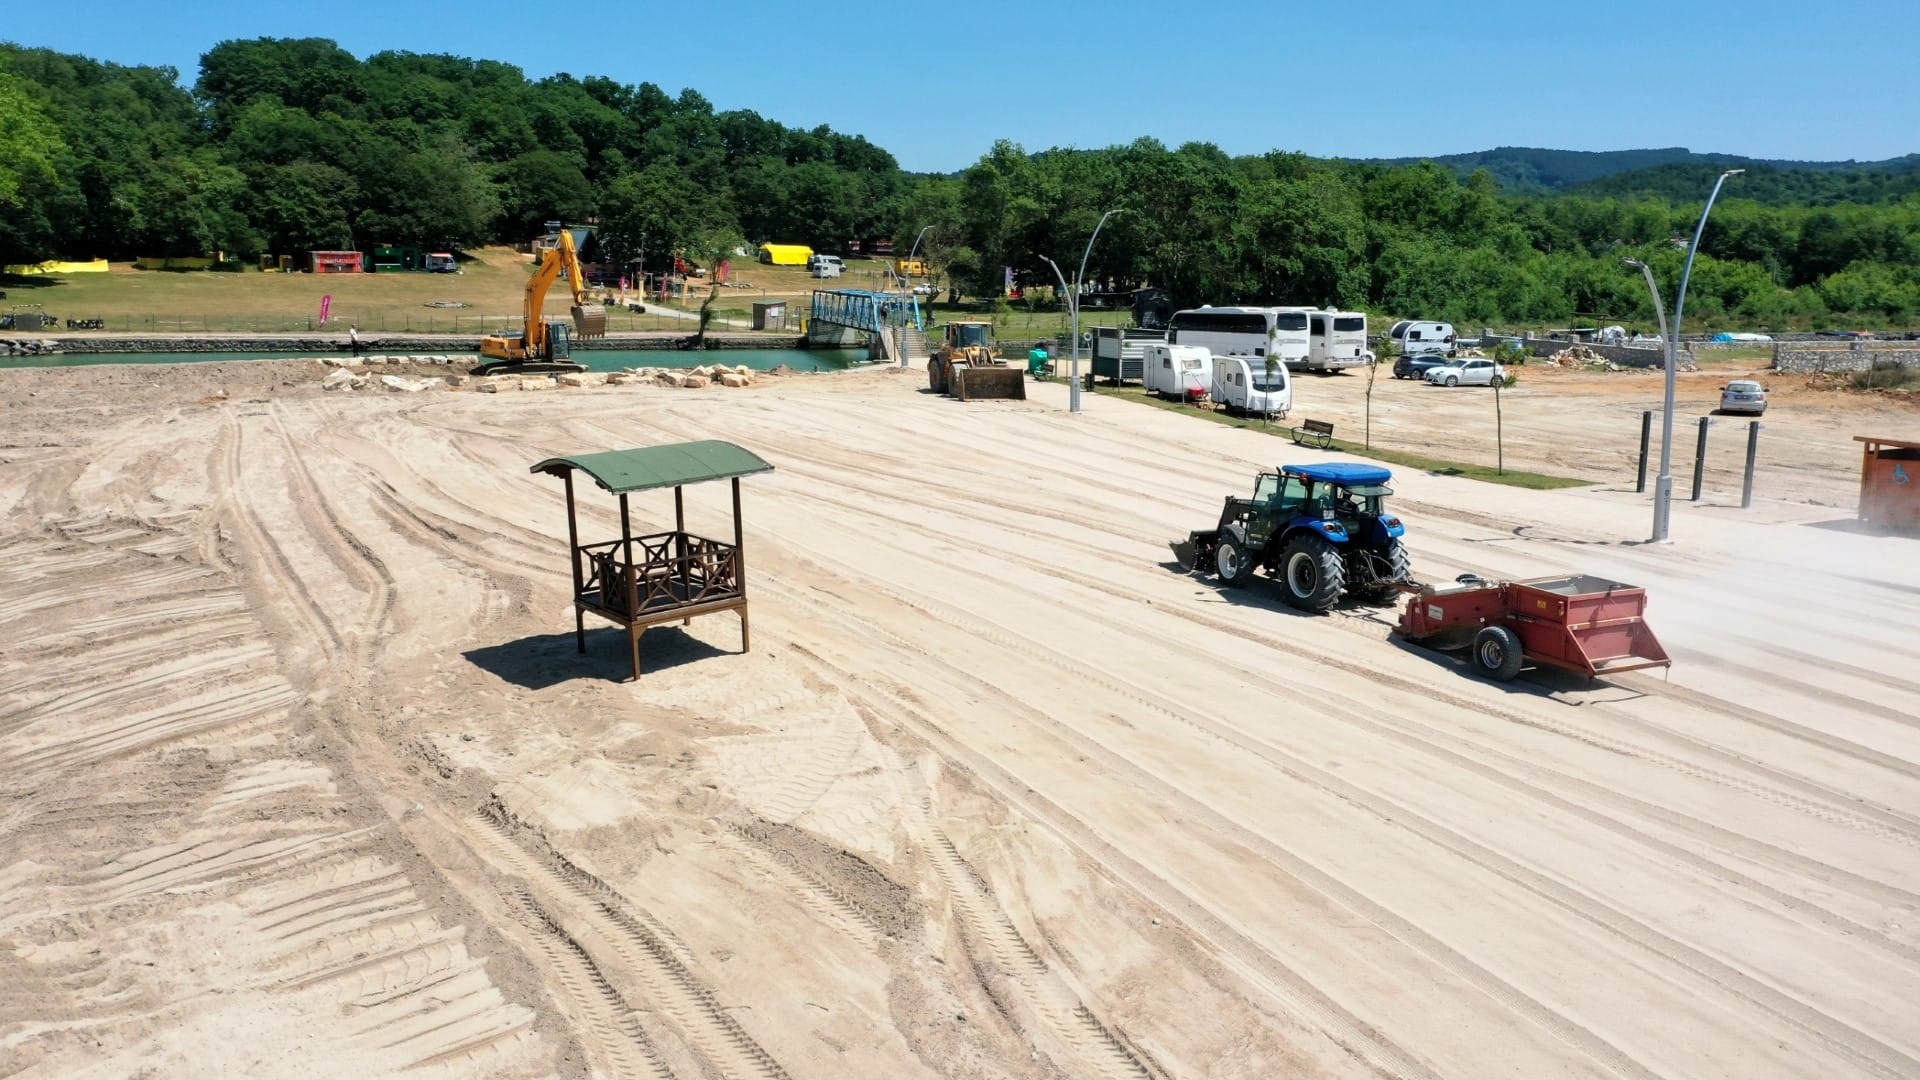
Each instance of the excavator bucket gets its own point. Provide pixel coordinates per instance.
(589, 320)
(974, 383)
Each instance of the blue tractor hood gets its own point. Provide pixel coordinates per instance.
(1345, 473)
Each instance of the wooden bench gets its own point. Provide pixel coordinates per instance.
(1315, 433)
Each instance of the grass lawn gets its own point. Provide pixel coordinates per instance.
(489, 291)
(1510, 477)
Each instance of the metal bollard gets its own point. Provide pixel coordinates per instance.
(1646, 432)
(1753, 446)
(1700, 459)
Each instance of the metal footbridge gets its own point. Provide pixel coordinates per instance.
(872, 312)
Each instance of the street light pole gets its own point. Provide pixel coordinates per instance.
(1663, 485)
(1073, 299)
(1073, 391)
(910, 253)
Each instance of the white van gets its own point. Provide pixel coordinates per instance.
(1177, 371)
(1415, 337)
(1245, 387)
(825, 266)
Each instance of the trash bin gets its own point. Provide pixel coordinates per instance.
(1038, 362)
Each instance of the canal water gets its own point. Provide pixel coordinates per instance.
(592, 359)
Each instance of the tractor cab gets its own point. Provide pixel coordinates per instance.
(1339, 501)
(970, 335)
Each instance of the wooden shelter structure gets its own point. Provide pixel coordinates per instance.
(641, 581)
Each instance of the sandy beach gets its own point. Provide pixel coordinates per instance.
(304, 777)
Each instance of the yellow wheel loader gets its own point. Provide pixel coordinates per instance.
(967, 366)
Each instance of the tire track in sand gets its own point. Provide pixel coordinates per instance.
(638, 951)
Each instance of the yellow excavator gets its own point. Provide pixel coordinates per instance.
(543, 346)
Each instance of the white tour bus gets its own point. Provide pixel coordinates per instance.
(1338, 339)
(1251, 332)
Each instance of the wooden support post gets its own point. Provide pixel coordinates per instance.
(573, 556)
(740, 566)
(626, 542)
(680, 535)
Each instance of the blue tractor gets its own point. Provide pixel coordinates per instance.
(1321, 529)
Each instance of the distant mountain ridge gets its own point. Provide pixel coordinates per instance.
(1528, 170)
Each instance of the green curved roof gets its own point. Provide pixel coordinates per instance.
(647, 467)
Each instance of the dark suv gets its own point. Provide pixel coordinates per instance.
(1415, 367)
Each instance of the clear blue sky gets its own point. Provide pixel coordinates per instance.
(936, 83)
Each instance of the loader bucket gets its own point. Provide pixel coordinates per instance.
(1185, 552)
(589, 320)
(974, 383)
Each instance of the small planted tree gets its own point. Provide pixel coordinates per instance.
(1389, 349)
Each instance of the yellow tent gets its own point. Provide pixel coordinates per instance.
(785, 254)
(95, 266)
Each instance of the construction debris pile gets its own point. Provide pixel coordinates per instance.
(1581, 356)
(345, 376)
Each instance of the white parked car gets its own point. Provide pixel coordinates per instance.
(1474, 372)
(1744, 396)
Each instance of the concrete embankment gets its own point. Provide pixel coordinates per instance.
(371, 343)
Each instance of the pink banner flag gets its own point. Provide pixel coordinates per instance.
(326, 308)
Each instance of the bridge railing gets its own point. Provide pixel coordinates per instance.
(861, 309)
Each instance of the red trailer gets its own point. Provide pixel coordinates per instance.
(1578, 622)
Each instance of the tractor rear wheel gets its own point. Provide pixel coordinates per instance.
(1230, 561)
(1312, 571)
(1497, 653)
(1398, 568)
(936, 375)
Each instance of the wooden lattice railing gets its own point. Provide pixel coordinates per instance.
(669, 570)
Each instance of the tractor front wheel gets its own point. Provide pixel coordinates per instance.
(1230, 561)
(1497, 653)
(1312, 571)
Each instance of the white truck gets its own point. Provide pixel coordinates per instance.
(825, 266)
(1184, 372)
(1249, 388)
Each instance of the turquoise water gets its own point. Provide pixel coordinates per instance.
(593, 359)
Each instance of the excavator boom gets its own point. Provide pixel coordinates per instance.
(534, 348)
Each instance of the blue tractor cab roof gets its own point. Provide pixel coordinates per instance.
(1340, 472)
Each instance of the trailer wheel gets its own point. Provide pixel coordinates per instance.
(1497, 653)
(1313, 572)
(1231, 562)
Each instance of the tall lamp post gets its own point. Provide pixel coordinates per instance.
(1073, 305)
(1663, 485)
(908, 283)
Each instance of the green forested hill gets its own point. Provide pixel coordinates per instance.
(1527, 170)
(285, 145)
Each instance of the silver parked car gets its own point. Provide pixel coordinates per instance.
(1744, 396)
(1474, 372)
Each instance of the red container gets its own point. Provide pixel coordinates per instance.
(1578, 622)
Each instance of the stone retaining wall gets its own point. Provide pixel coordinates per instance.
(1845, 356)
(369, 343)
(1624, 355)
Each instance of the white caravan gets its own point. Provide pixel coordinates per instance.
(1252, 332)
(1245, 386)
(1337, 340)
(1415, 337)
(1177, 371)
